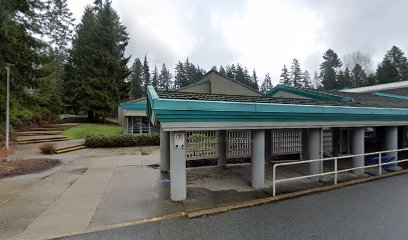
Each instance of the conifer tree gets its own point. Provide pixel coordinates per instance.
(222, 71)
(284, 77)
(180, 79)
(155, 77)
(136, 86)
(164, 79)
(266, 84)
(358, 76)
(146, 72)
(296, 74)
(328, 69)
(305, 82)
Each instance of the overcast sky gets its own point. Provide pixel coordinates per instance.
(259, 34)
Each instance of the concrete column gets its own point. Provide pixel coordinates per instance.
(222, 148)
(313, 148)
(268, 145)
(164, 150)
(178, 186)
(357, 147)
(390, 140)
(258, 158)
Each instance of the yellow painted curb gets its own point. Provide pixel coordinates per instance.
(281, 197)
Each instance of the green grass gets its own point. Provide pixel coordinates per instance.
(85, 129)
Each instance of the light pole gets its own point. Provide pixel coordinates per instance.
(8, 66)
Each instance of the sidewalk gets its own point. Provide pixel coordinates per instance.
(99, 187)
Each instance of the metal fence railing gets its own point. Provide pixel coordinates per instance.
(335, 172)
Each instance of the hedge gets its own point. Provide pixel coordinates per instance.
(127, 140)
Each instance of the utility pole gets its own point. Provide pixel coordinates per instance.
(8, 66)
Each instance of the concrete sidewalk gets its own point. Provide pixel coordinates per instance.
(99, 187)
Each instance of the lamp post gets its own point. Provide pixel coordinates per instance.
(8, 66)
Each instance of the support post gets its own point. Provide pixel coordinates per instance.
(178, 174)
(222, 148)
(357, 147)
(164, 150)
(258, 159)
(313, 148)
(390, 142)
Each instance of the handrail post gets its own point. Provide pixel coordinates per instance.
(379, 164)
(274, 181)
(335, 171)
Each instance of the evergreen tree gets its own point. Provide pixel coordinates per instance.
(231, 72)
(305, 82)
(358, 76)
(214, 68)
(136, 88)
(155, 78)
(400, 62)
(266, 84)
(146, 73)
(328, 69)
(222, 71)
(295, 74)
(254, 80)
(164, 78)
(344, 79)
(59, 25)
(284, 77)
(387, 72)
(180, 79)
(97, 60)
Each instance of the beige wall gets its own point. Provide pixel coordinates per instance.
(222, 85)
(198, 88)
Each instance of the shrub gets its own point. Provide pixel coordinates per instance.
(106, 141)
(47, 148)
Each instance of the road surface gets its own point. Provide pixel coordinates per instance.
(374, 210)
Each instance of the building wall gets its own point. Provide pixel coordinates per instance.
(204, 87)
(221, 85)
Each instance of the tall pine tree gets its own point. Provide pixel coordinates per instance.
(164, 79)
(328, 69)
(146, 73)
(136, 86)
(266, 84)
(296, 74)
(155, 77)
(284, 77)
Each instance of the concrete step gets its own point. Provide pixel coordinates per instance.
(70, 148)
(46, 129)
(41, 140)
(35, 133)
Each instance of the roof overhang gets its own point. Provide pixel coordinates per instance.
(196, 114)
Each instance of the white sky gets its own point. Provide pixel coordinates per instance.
(259, 34)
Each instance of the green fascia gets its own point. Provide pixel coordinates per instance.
(134, 106)
(390, 95)
(308, 93)
(175, 110)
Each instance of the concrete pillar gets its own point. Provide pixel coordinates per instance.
(313, 148)
(357, 147)
(178, 186)
(164, 150)
(390, 140)
(222, 148)
(258, 158)
(268, 144)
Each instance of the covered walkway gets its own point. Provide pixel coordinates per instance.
(260, 118)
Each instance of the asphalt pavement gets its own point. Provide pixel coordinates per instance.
(373, 210)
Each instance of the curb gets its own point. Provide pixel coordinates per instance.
(257, 202)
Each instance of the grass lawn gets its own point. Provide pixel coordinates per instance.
(85, 129)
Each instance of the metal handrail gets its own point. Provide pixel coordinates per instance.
(336, 171)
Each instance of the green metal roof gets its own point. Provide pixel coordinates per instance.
(167, 109)
(307, 93)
